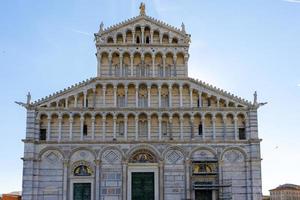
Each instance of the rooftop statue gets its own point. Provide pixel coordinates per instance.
(142, 9)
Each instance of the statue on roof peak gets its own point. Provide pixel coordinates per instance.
(142, 9)
(101, 27)
(183, 27)
(256, 103)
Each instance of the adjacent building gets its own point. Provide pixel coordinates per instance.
(142, 129)
(285, 192)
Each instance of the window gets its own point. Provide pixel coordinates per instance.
(121, 128)
(137, 39)
(208, 102)
(147, 40)
(242, 134)
(200, 129)
(43, 133)
(87, 102)
(164, 128)
(85, 129)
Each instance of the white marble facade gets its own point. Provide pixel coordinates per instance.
(142, 113)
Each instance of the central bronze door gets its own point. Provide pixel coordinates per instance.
(142, 185)
(203, 194)
(82, 191)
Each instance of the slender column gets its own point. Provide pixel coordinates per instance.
(110, 64)
(191, 97)
(124, 180)
(121, 65)
(159, 96)
(186, 64)
(151, 36)
(98, 64)
(81, 127)
(143, 33)
(67, 102)
(159, 127)
(192, 127)
(104, 94)
(49, 128)
(65, 184)
(161, 180)
(75, 101)
(200, 99)
(103, 126)
(149, 127)
(187, 179)
(125, 127)
(115, 96)
(164, 66)
(114, 128)
(94, 97)
(203, 127)
(160, 38)
(97, 162)
(136, 128)
(218, 102)
(149, 96)
(131, 65)
(126, 96)
(214, 127)
(133, 37)
(93, 127)
(59, 128)
(71, 128)
(153, 65)
(171, 127)
(174, 66)
(181, 127)
(136, 96)
(247, 128)
(84, 99)
(224, 128)
(170, 96)
(180, 96)
(235, 128)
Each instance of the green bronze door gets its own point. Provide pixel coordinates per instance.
(142, 186)
(82, 191)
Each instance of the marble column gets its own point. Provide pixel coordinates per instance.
(114, 128)
(125, 127)
(235, 128)
(149, 127)
(136, 128)
(200, 99)
(214, 127)
(159, 127)
(136, 96)
(94, 97)
(133, 37)
(164, 65)
(224, 127)
(81, 127)
(124, 179)
(49, 128)
(98, 64)
(143, 33)
(93, 127)
(103, 95)
(191, 97)
(75, 101)
(187, 178)
(115, 96)
(84, 99)
(192, 128)
(153, 65)
(59, 128)
(181, 127)
(98, 168)
(203, 127)
(161, 179)
(159, 96)
(103, 126)
(170, 96)
(126, 96)
(67, 102)
(65, 179)
(180, 96)
(149, 96)
(71, 128)
(171, 127)
(121, 65)
(131, 65)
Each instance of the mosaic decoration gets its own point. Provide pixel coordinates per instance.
(143, 156)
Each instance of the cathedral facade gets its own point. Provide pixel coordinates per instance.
(141, 129)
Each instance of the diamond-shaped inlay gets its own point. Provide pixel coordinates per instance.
(52, 157)
(174, 157)
(111, 157)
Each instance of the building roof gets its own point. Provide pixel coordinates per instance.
(287, 186)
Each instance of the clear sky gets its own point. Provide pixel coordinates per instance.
(237, 45)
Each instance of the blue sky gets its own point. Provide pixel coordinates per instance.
(237, 45)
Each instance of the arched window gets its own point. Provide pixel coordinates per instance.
(137, 39)
(147, 40)
(164, 128)
(121, 128)
(200, 130)
(82, 170)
